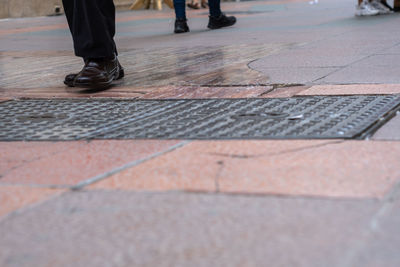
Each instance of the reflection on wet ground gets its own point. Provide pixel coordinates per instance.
(198, 66)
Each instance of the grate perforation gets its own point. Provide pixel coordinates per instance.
(280, 118)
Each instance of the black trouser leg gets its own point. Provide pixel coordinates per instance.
(215, 8)
(92, 24)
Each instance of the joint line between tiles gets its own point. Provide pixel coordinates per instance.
(373, 225)
(31, 206)
(126, 166)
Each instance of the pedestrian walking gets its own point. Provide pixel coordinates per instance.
(217, 19)
(92, 25)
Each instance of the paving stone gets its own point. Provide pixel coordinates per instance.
(62, 92)
(314, 168)
(357, 44)
(145, 229)
(395, 50)
(71, 163)
(16, 154)
(389, 131)
(381, 248)
(15, 197)
(196, 166)
(178, 170)
(286, 91)
(364, 74)
(320, 56)
(295, 75)
(352, 89)
(389, 61)
(15, 30)
(186, 92)
(345, 169)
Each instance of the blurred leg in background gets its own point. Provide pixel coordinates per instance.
(217, 19)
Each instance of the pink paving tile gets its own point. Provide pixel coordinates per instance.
(346, 169)
(13, 155)
(353, 169)
(174, 92)
(32, 29)
(178, 170)
(76, 162)
(285, 92)
(352, 89)
(193, 167)
(16, 197)
(65, 92)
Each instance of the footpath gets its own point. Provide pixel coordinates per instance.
(275, 142)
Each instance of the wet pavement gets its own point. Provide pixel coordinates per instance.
(100, 201)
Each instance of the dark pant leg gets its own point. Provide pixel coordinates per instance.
(179, 6)
(92, 24)
(215, 7)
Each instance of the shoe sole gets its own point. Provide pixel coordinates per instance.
(361, 14)
(97, 86)
(188, 30)
(180, 31)
(120, 75)
(216, 27)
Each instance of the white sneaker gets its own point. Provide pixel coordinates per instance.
(365, 9)
(380, 7)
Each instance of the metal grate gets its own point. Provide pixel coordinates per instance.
(283, 118)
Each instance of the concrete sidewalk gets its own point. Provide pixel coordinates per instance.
(302, 202)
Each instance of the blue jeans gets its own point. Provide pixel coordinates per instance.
(179, 5)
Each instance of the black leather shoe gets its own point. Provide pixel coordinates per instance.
(96, 74)
(181, 26)
(221, 21)
(69, 79)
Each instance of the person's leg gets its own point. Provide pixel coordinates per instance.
(179, 6)
(215, 8)
(92, 25)
(217, 18)
(180, 13)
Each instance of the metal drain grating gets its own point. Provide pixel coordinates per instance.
(283, 118)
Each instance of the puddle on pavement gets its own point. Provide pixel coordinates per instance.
(215, 66)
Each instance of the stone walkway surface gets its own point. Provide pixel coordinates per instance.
(151, 202)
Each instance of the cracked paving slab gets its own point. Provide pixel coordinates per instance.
(354, 169)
